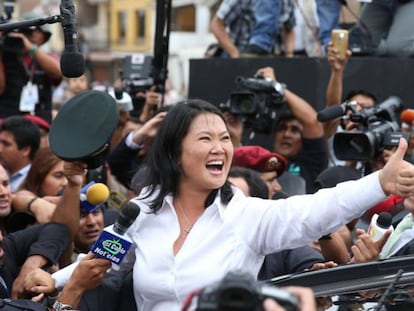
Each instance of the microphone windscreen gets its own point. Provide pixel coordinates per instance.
(72, 64)
(128, 214)
(97, 194)
(407, 116)
(384, 219)
(330, 113)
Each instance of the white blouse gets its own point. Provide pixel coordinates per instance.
(233, 237)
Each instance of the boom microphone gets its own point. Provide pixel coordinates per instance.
(113, 244)
(72, 62)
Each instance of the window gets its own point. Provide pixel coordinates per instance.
(183, 18)
(140, 26)
(122, 26)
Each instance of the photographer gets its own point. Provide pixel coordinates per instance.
(334, 91)
(298, 136)
(27, 73)
(356, 102)
(151, 103)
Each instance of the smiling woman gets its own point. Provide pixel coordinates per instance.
(194, 227)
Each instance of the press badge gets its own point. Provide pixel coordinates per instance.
(29, 97)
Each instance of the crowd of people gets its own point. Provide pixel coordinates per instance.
(210, 202)
(299, 27)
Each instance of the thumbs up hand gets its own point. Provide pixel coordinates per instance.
(397, 176)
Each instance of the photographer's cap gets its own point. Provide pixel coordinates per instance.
(45, 28)
(83, 128)
(259, 159)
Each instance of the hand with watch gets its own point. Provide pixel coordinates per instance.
(268, 73)
(88, 274)
(58, 306)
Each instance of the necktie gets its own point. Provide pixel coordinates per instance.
(405, 224)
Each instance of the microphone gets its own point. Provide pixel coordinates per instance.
(380, 223)
(113, 244)
(332, 112)
(93, 195)
(72, 62)
(407, 116)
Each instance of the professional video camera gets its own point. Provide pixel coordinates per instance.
(240, 291)
(257, 102)
(378, 128)
(136, 73)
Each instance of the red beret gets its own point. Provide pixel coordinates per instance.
(38, 121)
(259, 159)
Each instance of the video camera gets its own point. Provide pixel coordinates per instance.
(257, 102)
(378, 128)
(136, 75)
(9, 44)
(240, 291)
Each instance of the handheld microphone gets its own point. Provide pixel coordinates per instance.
(93, 195)
(113, 244)
(407, 116)
(380, 223)
(72, 62)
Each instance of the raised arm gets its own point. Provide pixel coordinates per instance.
(68, 210)
(218, 28)
(299, 107)
(334, 89)
(48, 63)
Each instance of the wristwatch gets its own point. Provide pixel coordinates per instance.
(58, 306)
(279, 88)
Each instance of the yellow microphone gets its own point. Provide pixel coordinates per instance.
(93, 195)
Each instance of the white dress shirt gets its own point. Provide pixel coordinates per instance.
(233, 237)
(17, 178)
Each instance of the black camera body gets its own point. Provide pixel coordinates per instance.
(8, 44)
(257, 102)
(11, 45)
(378, 128)
(241, 292)
(136, 73)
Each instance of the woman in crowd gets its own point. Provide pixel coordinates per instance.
(45, 180)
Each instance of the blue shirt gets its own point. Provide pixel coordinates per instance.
(17, 178)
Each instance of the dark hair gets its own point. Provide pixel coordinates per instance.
(163, 171)
(257, 187)
(283, 116)
(362, 92)
(25, 133)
